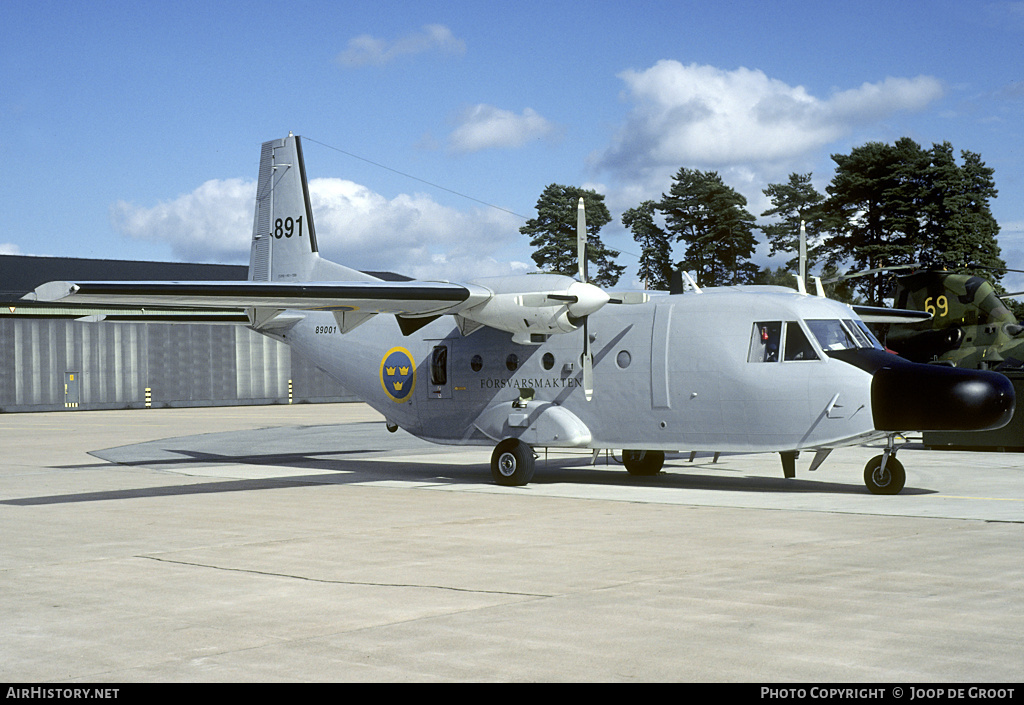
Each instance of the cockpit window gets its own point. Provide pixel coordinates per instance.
(764, 342)
(832, 334)
(858, 334)
(797, 345)
(769, 337)
(858, 325)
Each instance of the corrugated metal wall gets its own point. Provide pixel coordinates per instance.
(183, 365)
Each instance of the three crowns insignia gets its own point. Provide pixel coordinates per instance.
(398, 374)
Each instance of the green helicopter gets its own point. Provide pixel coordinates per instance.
(970, 327)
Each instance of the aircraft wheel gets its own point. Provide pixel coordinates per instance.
(643, 462)
(887, 481)
(512, 463)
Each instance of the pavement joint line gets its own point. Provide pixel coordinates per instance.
(346, 582)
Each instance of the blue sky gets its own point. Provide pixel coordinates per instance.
(132, 129)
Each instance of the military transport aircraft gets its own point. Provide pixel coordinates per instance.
(542, 360)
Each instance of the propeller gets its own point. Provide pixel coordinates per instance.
(581, 298)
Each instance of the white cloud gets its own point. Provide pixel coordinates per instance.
(366, 50)
(703, 116)
(211, 224)
(487, 127)
(9, 248)
(408, 234)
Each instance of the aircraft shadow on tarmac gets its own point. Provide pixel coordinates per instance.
(375, 461)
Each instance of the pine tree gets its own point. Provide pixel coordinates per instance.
(553, 234)
(656, 251)
(959, 229)
(900, 204)
(712, 220)
(870, 209)
(792, 203)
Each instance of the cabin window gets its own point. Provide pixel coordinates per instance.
(764, 342)
(797, 345)
(439, 366)
(623, 359)
(512, 362)
(476, 363)
(548, 361)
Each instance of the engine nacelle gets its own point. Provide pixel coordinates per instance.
(535, 305)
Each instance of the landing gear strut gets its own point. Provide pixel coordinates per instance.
(884, 474)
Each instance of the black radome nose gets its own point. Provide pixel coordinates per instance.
(907, 396)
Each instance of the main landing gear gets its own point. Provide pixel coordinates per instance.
(884, 474)
(643, 463)
(512, 463)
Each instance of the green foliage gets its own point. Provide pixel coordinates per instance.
(887, 205)
(1016, 307)
(712, 220)
(897, 204)
(959, 229)
(553, 234)
(793, 202)
(656, 252)
(780, 276)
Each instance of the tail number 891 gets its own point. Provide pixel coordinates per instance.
(286, 227)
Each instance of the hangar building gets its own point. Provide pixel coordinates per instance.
(51, 363)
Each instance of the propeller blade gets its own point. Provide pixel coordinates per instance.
(581, 240)
(588, 364)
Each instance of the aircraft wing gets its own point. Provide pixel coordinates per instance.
(878, 314)
(413, 298)
(123, 314)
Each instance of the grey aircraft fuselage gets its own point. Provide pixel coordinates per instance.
(672, 374)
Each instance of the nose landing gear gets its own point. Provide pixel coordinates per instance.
(884, 474)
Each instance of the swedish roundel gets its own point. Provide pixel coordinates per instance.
(398, 374)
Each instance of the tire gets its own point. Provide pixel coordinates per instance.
(643, 463)
(889, 481)
(512, 463)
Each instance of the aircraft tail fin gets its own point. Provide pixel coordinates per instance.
(284, 247)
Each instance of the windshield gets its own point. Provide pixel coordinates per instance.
(832, 335)
(861, 326)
